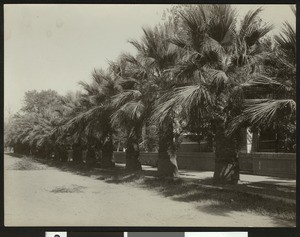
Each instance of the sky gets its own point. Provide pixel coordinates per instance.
(56, 46)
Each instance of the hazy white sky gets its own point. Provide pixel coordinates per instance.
(55, 46)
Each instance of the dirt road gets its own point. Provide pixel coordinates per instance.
(39, 195)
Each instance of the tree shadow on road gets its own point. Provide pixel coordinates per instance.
(206, 198)
(223, 202)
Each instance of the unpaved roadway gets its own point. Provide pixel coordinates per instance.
(39, 195)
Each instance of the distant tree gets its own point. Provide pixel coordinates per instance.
(40, 102)
(31, 128)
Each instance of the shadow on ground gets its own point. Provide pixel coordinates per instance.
(213, 200)
(14, 155)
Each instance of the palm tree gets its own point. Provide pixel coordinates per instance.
(274, 103)
(93, 124)
(218, 59)
(133, 105)
(72, 106)
(156, 55)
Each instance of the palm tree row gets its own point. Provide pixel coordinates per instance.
(200, 70)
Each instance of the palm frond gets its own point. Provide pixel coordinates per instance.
(217, 79)
(128, 82)
(79, 122)
(137, 45)
(180, 42)
(128, 114)
(89, 88)
(264, 112)
(182, 99)
(255, 32)
(124, 97)
(162, 111)
(185, 68)
(221, 23)
(287, 43)
(248, 21)
(211, 44)
(265, 85)
(194, 27)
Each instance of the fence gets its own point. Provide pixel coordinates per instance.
(261, 163)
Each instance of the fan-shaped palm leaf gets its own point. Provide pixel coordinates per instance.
(125, 97)
(248, 21)
(265, 111)
(184, 99)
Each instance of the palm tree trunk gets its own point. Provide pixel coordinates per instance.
(132, 148)
(107, 153)
(91, 156)
(146, 139)
(63, 153)
(132, 154)
(77, 153)
(167, 164)
(226, 157)
(118, 148)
